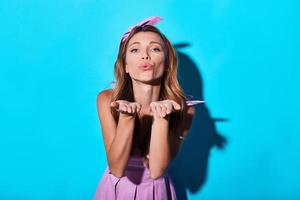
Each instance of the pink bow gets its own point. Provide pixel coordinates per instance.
(148, 21)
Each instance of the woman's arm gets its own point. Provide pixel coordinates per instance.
(163, 148)
(159, 152)
(117, 137)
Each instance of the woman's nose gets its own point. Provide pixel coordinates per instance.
(145, 56)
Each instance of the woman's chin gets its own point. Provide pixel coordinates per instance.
(150, 80)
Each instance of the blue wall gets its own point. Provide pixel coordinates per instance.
(55, 56)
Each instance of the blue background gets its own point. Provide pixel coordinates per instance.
(239, 56)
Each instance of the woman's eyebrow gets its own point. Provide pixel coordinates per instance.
(151, 42)
(135, 43)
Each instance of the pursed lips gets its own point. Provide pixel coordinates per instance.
(146, 66)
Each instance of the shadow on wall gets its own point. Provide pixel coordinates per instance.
(189, 170)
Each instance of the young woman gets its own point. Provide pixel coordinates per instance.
(144, 118)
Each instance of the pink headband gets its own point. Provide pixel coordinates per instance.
(148, 21)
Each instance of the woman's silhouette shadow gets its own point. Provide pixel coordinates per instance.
(189, 169)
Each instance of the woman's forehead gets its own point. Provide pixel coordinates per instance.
(145, 37)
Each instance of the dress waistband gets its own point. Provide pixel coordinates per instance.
(137, 171)
(136, 161)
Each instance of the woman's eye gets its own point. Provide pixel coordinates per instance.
(133, 50)
(156, 49)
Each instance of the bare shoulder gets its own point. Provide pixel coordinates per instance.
(105, 93)
(107, 121)
(103, 103)
(104, 96)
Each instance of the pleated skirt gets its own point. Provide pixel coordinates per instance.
(136, 184)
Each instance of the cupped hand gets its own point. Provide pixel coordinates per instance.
(126, 107)
(164, 108)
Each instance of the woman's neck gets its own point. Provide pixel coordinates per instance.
(145, 93)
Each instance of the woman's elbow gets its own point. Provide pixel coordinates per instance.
(116, 173)
(156, 174)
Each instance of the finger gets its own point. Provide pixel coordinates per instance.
(122, 108)
(163, 110)
(133, 107)
(159, 109)
(169, 108)
(128, 108)
(114, 104)
(176, 106)
(138, 107)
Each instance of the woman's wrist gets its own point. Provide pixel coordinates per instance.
(127, 116)
(159, 119)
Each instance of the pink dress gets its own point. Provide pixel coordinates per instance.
(136, 184)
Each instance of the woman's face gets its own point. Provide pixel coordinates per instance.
(145, 57)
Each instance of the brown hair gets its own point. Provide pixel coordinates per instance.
(170, 88)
